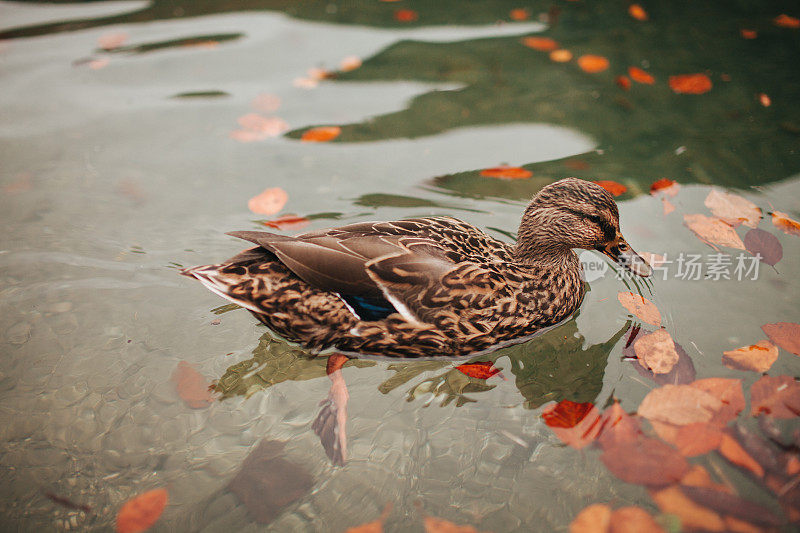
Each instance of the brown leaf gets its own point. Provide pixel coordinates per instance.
(640, 307)
(506, 172)
(672, 500)
(682, 373)
(267, 483)
(785, 223)
(645, 461)
(733, 209)
(733, 452)
(576, 424)
(690, 83)
(656, 352)
(376, 526)
(757, 357)
(763, 243)
(679, 405)
(321, 134)
(440, 525)
(633, 520)
(775, 396)
(141, 512)
(784, 334)
(713, 231)
(192, 386)
(269, 202)
(595, 518)
(593, 63)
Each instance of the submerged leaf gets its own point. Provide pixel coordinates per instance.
(645, 461)
(192, 386)
(733, 209)
(757, 357)
(141, 512)
(693, 516)
(560, 56)
(269, 202)
(406, 15)
(640, 307)
(440, 525)
(690, 83)
(775, 396)
(633, 519)
(376, 526)
(713, 231)
(763, 243)
(784, 334)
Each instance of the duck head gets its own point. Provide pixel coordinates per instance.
(573, 213)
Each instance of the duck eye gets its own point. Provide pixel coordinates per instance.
(595, 218)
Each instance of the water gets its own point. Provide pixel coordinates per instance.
(112, 177)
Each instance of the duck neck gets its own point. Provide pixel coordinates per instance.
(543, 240)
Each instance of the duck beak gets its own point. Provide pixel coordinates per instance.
(621, 252)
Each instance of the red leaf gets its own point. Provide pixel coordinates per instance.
(748, 34)
(612, 186)
(506, 172)
(479, 370)
(665, 185)
(140, 513)
(192, 386)
(287, 222)
(641, 76)
(775, 396)
(566, 414)
(406, 15)
(519, 14)
(690, 83)
(785, 21)
(784, 334)
(623, 82)
(576, 424)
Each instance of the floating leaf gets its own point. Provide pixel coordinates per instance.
(645, 461)
(757, 357)
(576, 424)
(376, 526)
(748, 34)
(729, 392)
(543, 44)
(617, 426)
(656, 351)
(192, 386)
(640, 307)
(140, 513)
(690, 440)
(665, 185)
(256, 127)
(623, 82)
(690, 83)
(763, 243)
(637, 12)
(561, 56)
(764, 100)
(784, 334)
(287, 223)
(266, 102)
(268, 202)
(733, 209)
(440, 525)
(613, 187)
(641, 76)
(405, 15)
(519, 14)
(321, 134)
(667, 206)
(679, 405)
(593, 63)
(785, 21)
(785, 223)
(479, 370)
(507, 172)
(775, 396)
(110, 41)
(350, 63)
(713, 231)
(595, 518)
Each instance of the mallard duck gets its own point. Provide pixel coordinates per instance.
(425, 287)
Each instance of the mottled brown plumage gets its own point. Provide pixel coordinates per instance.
(450, 289)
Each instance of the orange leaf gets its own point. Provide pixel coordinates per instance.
(506, 172)
(784, 334)
(287, 223)
(350, 63)
(693, 516)
(692, 439)
(713, 231)
(633, 520)
(748, 34)
(440, 525)
(726, 390)
(479, 370)
(623, 82)
(321, 134)
(613, 187)
(679, 405)
(592, 519)
(733, 208)
(576, 424)
(406, 15)
(637, 12)
(561, 56)
(192, 386)
(665, 185)
(786, 224)
(543, 44)
(764, 100)
(698, 476)
(593, 63)
(519, 14)
(376, 526)
(690, 83)
(657, 352)
(785, 21)
(641, 307)
(140, 513)
(757, 357)
(268, 202)
(641, 76)
(733, 452)
(775, 396)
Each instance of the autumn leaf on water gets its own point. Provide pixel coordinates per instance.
(321, 134)
(667, 206)
(733, 209)
(519, 14)
(645, 461)
(506, 172)
(576, 424)
(623, 82)
(613, 187)
(560, 56)
(593, 63)
(690, 83)
(637, 12)
(617, 426)
(690, 440)
(733, 452)
(657, 352)
(110, 41)
(763, 243)
(350, 63)
(775, 396)
(595, 518)
(256, 127)
(748, 34)
(287, 223)
(641, 307)
(764, 99)
(405, 15)
(641, 76)
(543, 44)
(784, 334)
(268, 202)
(192, 386)
(376, 526)
(713, 231)
(757, 357)
(785, 21)
(599, 518)
(440, 525)
(140, 513)
(479, 370)
(672, 500)
(785, 223)
(679, 405)
(666, 186)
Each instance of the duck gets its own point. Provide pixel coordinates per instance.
(428, 287)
